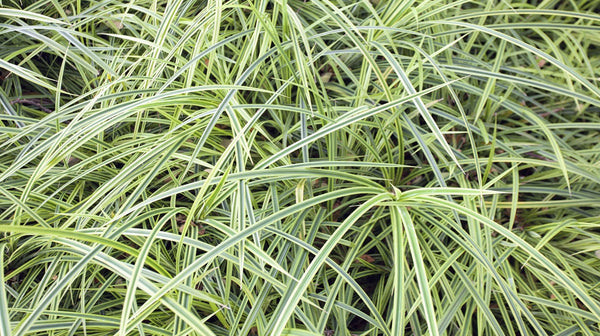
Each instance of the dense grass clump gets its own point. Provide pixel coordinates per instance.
(289, 167)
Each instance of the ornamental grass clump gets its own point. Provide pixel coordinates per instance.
(293, 167)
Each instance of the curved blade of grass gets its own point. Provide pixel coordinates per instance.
(292, 296)
(4, 319)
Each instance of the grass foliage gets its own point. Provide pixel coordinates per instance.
(292, 167)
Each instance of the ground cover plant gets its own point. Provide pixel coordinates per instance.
(289, 167)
